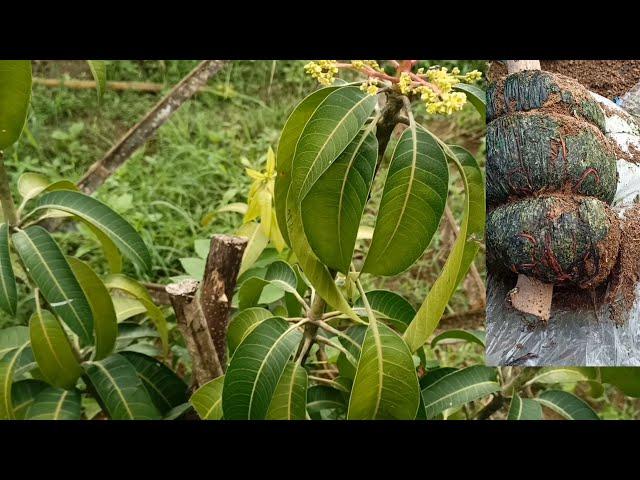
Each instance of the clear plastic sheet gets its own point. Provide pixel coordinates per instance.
(586, 337)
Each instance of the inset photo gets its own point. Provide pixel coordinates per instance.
(563, 219)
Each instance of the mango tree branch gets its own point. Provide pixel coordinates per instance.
(145, 128)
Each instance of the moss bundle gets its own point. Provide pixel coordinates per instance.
(558, 240)
(551, 174)
(536, 89)
(534, 152)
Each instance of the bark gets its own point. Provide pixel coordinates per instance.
(140, 133)
(220, 276)
(185, 299)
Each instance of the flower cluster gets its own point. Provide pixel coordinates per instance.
(322, 70)
(435, 87)
(370, 85)
(362, 64)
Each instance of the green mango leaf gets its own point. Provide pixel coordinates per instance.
(627, 379)
(471, 336)
(332, 209)
(256, 243)
(386, 384)
(250, 292)
(432, 376)
(137, 290)
(564, 375)
(207, 400)
(12, 338)
(8, 290)
(8, 365)
(126, 307)
(462, 253)
(329, 130)
(459, 387)
(524, 409)
(52, 274)
(122, 392)
(390, 305)
(99, 71)
(286, 148)
(129, 332)
(347, 364)
(104, 219)
(104, 314)
(256, 367)
(23, 393)
(242, 323)
(55, 404)
(322, 397)
(52, 350)
(178, 412)
(282, 274)
(289, 400)
(413, 201)
(109, 248)
(165, 388)
(567, 405)
(475, 95)
(15, 95)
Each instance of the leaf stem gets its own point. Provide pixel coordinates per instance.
(328, 328)
(8, 207)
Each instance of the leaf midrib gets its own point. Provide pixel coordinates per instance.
(7, 384)
(116, 387)
(455, 392)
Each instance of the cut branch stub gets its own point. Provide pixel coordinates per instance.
(192, 324)
(220, 276)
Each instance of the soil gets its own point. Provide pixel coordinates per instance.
(609, 78)
(621, 294)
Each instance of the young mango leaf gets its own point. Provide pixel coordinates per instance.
(121, 390)
(250, 293)
(8, 288)
(475, 95)
(386, 384)
(30, 185)
(256, 243)
(332, 209)
(281, 274)
(322, 397)
(8, 366)
(104, 219)
(524, 409)
(52, 350)
(194, 266)
(471, 336)
(127, 307)
(137, 290)
(567, 404)
(55, 404)
(256, 367)
(52, 274)
(462, 253)
(165, 388)
(12, 338)
(290, 396)
(207, 400)
(413, 200)
(23, 393)
(459, 387)
(99, 71)
(242, 323)
(104, 314)
(15, 95)
(392, 306)
(109, 248)
(286, 149)
(202, 246)
(564, 375)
